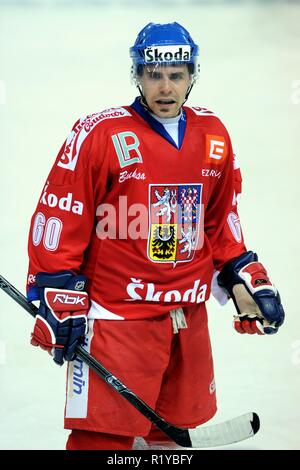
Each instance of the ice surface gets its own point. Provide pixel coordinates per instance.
(58, 65)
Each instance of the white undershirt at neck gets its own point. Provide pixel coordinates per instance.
(170, 124)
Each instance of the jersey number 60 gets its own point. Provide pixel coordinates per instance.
(47, 230)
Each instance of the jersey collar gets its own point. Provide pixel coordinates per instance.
(157, 126)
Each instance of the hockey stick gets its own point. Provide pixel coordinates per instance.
(228, 432)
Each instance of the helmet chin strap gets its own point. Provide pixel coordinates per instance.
(145, 104)
(143, 100)
(187, 93)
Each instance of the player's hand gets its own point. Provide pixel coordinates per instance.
(256, 299)
(61, 321)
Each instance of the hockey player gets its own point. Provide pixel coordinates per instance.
(137, 216)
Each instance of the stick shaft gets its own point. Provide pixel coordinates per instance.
(179, 435)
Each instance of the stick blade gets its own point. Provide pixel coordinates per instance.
(228, 432)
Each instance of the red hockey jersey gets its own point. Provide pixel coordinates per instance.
(145, 220)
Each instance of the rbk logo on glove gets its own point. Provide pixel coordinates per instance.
(62, 317)
(66, 298)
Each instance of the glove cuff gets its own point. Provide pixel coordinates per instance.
(65, 279)
(229, 276)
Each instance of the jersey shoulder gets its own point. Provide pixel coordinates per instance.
(83, 132)
(204, 117)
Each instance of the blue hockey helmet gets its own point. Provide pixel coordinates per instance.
(166, 44)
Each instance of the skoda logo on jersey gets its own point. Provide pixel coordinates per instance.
(174, 229)
(156, 54)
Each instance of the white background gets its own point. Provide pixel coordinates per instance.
(58, 64)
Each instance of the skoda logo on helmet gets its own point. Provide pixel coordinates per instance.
(154, 54)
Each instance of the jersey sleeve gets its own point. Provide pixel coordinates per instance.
(223, 226)
(63, 221)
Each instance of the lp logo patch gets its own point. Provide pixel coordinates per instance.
(127, 148)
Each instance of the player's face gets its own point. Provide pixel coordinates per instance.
(165, 88)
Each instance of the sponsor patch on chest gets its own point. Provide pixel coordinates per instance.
(215, 149)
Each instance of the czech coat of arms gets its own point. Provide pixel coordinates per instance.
(174, 225)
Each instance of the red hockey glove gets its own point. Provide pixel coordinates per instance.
(256, 299)
(61, 321)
